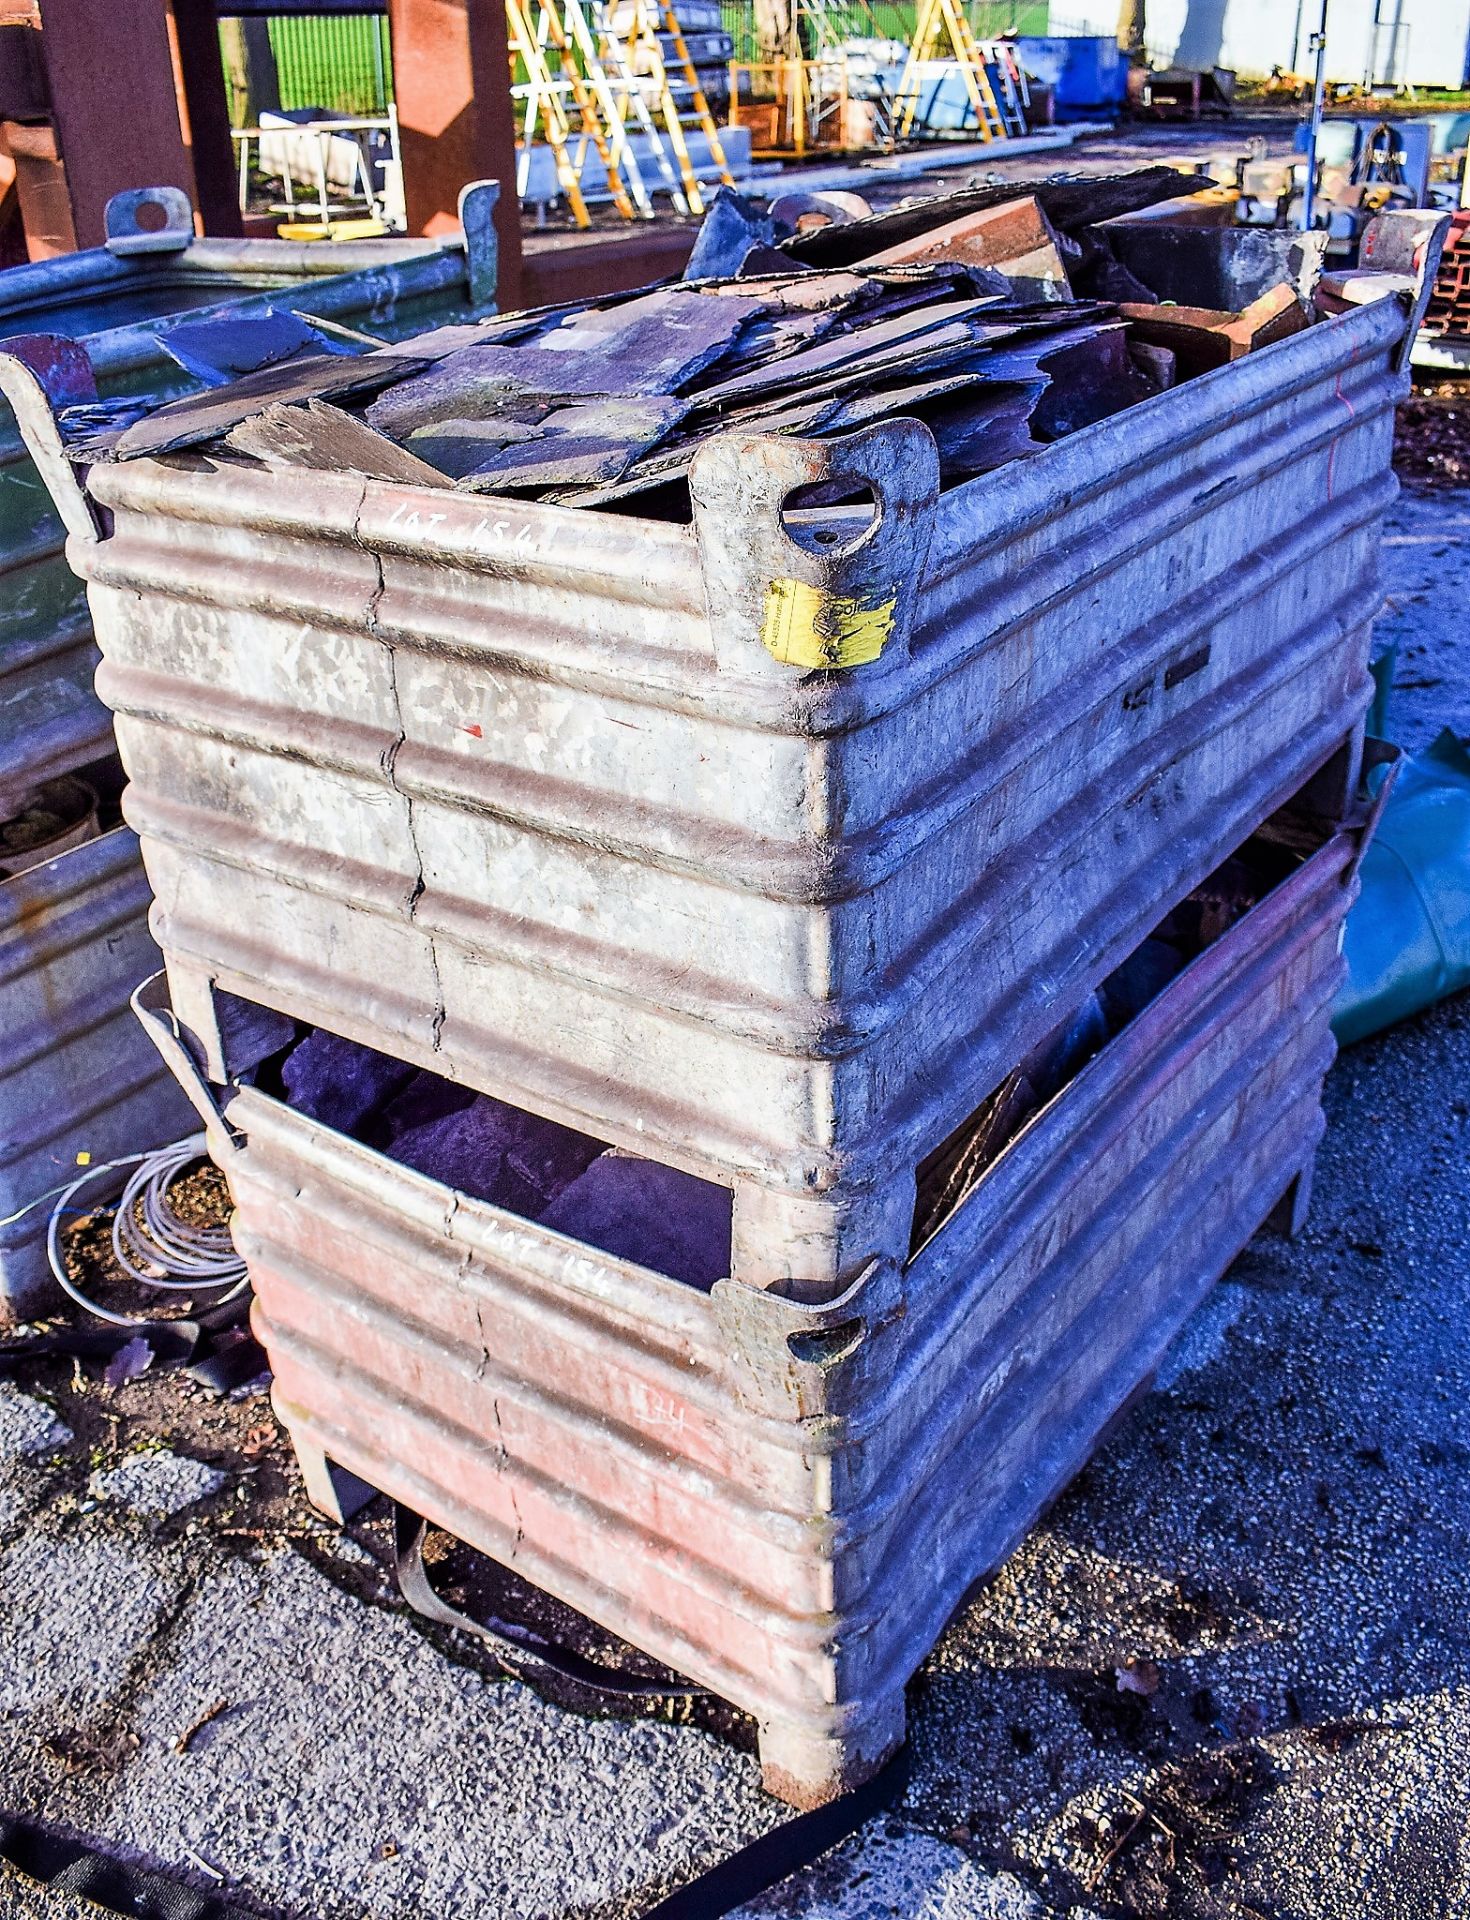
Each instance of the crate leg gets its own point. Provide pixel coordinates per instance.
(335, 1493)
(1289, 1215)
(229, 1035)
(811, 1247)
(1330, 793)
(807, 1769)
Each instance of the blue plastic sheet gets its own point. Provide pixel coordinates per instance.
(1407, 942)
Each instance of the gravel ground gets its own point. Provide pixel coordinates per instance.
(1228, 1676)
(1426, 575)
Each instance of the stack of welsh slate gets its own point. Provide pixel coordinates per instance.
(603, 403)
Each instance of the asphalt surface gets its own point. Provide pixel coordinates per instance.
(1228, 1676)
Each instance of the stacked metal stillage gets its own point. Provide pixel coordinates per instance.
(74, 940)
(520, 795)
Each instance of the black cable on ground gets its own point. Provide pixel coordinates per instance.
(68, 1866)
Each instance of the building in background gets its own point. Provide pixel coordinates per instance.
(1419, 43)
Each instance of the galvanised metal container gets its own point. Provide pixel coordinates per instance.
(114, 298)
(76, 1075)
(786, 1501)
(73, 935)
(526, 795)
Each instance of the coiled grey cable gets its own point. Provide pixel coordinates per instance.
(162, 1250)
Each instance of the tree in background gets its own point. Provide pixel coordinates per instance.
(1131, 30)
(250, 70)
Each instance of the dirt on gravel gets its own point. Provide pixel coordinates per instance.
(1432, 438)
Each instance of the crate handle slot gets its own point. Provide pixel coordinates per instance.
(778, 602)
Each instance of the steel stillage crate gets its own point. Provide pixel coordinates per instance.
(521, 794)
(74, 944)
(74, 1071)
(786, 1501)
(115, 299)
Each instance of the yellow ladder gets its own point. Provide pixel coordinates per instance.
(632, 102)
(642, 23)
(551, 26)
(532, 41)
(940, 20)
(614, 90)
(541, 94)
(699, 106)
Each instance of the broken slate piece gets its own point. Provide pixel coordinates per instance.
(220, 349)
(28, 1427)
(1142, 977)
(779, 290)
(578, 445)
(486, 1148)
(767, 260)
(879, 345)
(159, 1484)
(479, 383)
(133, 1357)
(732, 228)
(457, 448)
(326, 440)
(338, 1082)
(655, 1215)
(986, 428)
(208, 416)
(1092, 375)
(91, 430)
(650, 345)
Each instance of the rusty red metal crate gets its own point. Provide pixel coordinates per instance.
(786, 1500)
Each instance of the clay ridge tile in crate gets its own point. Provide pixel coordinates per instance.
(1068, 204)
(1016, 237)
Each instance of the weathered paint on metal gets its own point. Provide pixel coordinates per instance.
(786, 1501)
(519, 793)
(74, 941)
(557, 267)
(74, 1077)
(50, 719)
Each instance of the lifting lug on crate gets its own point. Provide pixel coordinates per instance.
(788, 590)
(477, 203)
(126, 232)
(797, 1361)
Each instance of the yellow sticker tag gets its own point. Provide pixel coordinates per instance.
(84, 1159)
(807, 626)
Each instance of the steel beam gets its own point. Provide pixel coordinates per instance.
(207, 116)
(114, 107)
(451, 75)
